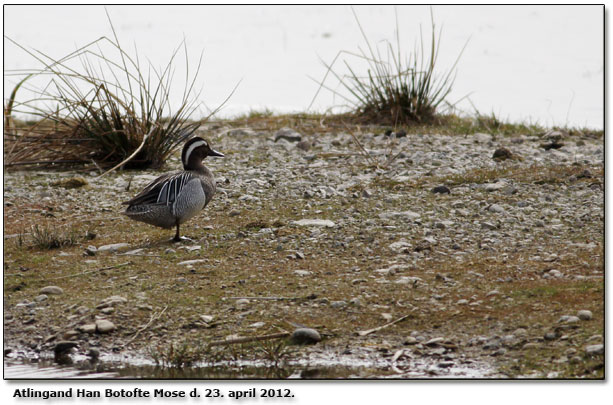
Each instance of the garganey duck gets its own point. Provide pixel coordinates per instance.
(173, 198)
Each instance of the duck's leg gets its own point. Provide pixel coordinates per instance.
(177, 238)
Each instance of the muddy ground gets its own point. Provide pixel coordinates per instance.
(497, 274)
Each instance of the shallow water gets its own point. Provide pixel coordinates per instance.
(318, 367)
(533, 63)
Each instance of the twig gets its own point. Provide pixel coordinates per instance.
(249, 339)
(369, 331)
(87, 272)
(364, 152)
(154, 317)
(264, 298)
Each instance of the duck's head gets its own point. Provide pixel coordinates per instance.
(195, 150)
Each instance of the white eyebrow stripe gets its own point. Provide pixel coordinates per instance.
(191, 149)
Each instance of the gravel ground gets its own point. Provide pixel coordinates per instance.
(493, 267)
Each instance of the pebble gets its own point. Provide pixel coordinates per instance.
(51, 290)
(502, 154)
(592, 350)
(288, 134)
(87, 328)
(305, 336)
(41, 298)
(105, 326)
(496, 209)
(241, 303)
(434, 341)
(410, 340)
(111, 301)
(112, 247)
(315, 222)
(584, 315)
(441, 190)
(302, 272)
(63, 347)
(91, 250)
(338, 304)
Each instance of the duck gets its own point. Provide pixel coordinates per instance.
(173, 198)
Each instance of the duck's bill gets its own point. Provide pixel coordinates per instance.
(213, 152)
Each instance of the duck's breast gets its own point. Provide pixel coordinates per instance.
(190, 200)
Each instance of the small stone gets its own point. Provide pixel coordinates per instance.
(41, 298)
(462, 302)
(73, 182)
(496, 209)
(592, 350)
(63, 347)
(288, 134)
(492, 293)
(410, 340)
(234, 213)
(441, 190)
(111, 301)
(105, 326)
(51, 290)
(108, 310)
(366, 193)
(445, 364)
(434, 341)
(314, 222)
(190, 262)
(114, 247)
(302, 272)
(87, 328)
(304, 145)
(242, 303)
(502, 154)
(338, 304)
(572, 319)
(551, 336)
(584, 315)
(91, 250)
(305, 336)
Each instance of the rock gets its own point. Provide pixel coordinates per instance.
(441, 190)
(569, 319)
(111, 301)
(302, 272)
(305, 336)
(63, 347)
(482, 138)
(434, 342)
(304, 145)
(396, 215)
(492, 293)
(91, 250)
(314, 222)
(338, 304)
(87, 328)
(105, 326)
(494, 186)
(112, 247)
(366, 193)
(584, 315)
(190, 262)
(41, 298)
(445, 364)
(241, 303)
(492, 344)
(496, 209)
(410, 340)
(502, 154)
(462, 302)
(288, 134)
(401, 247)
(73, 182)
(51, 290)
(551, 336)
(592, 350)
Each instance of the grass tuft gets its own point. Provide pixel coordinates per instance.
(99, 106)
(397, 88)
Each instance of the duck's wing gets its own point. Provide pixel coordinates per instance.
(163, 190)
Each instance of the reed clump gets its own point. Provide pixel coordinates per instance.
(397, 88)
(99, 105)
